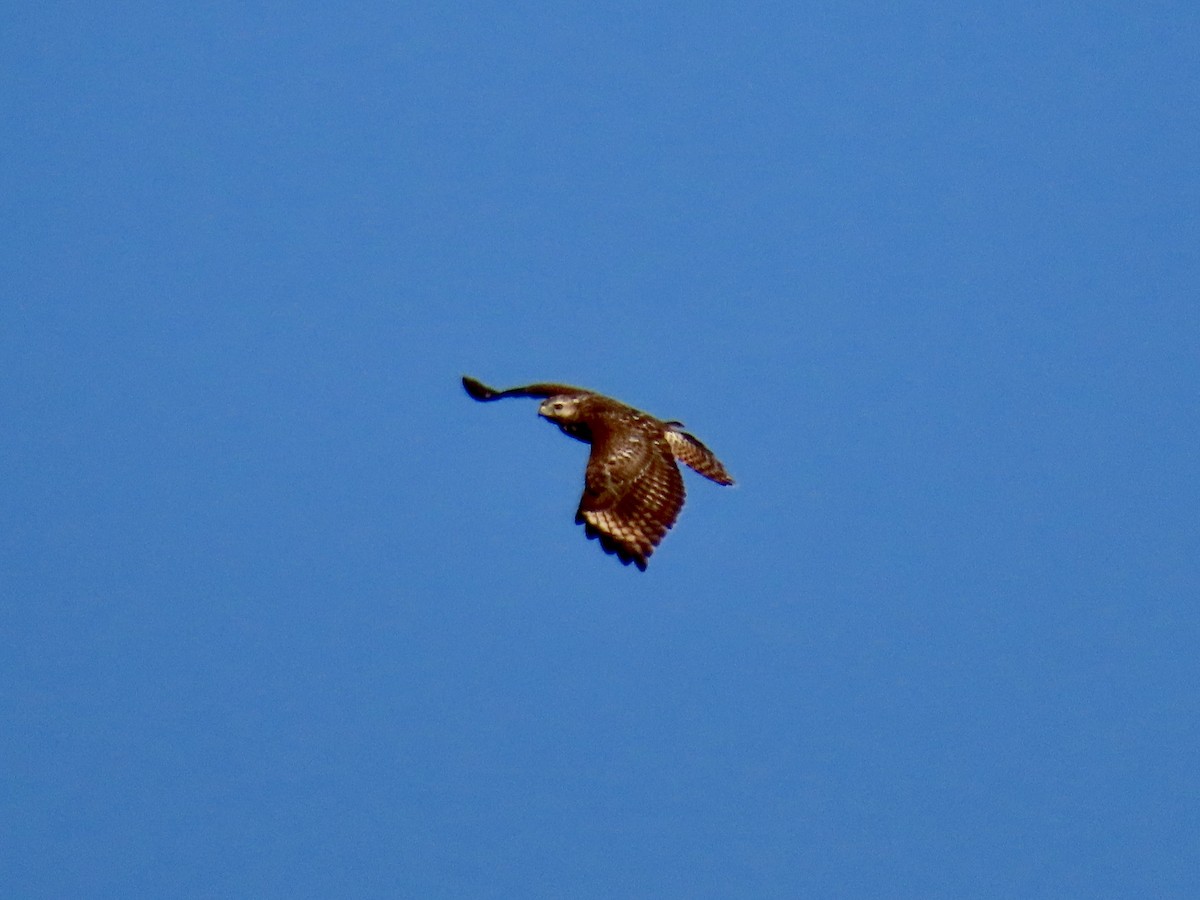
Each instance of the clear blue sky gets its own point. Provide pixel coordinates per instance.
(285, 614)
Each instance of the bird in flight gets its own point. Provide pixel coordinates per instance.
(632, 487)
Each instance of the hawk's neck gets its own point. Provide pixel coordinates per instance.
(578, 430)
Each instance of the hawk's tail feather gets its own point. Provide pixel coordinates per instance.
(688, 449)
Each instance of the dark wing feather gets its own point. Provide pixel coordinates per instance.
(632, 492)
(481, 392)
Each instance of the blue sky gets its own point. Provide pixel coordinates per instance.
(286, 614)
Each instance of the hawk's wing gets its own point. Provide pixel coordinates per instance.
(632, 491)
(480, 391)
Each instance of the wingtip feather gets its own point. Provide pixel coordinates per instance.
(477, 389)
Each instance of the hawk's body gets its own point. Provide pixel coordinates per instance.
(632, 488)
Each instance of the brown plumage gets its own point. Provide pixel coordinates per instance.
(632, 488)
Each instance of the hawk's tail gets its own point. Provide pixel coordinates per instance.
(688, 450)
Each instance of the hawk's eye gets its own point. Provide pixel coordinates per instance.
(558, 407)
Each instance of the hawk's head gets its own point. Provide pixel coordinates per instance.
(568, 414)
(561, 408)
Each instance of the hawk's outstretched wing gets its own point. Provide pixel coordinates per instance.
(481, 392)
(632, 492)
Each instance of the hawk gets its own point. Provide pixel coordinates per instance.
(632, 487)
